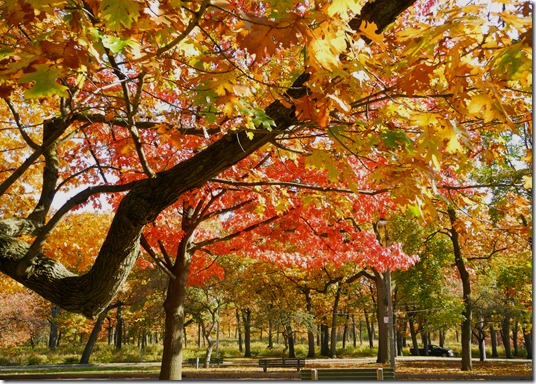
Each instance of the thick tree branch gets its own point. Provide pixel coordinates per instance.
(92, 292)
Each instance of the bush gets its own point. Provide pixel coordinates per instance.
(71, 360)
(37, 360)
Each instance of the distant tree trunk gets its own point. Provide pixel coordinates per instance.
(119, 329)
(324, 346)
(505, 336)
(288, 334)
(239, 330)
(110, 329)
(199, 336)
(246, 316)
(95, 334)
(345, 331)
(515, 333)
(424, 338)
(354, 331)
(527, 337)
(334, 317)
(53, 338)
(480, 336)
(493, 337)
(270, 334)
(370, 329)
(310, 334)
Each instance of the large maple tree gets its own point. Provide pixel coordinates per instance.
(145, 102)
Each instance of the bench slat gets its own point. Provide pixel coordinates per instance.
(348, 374)
(281, 363)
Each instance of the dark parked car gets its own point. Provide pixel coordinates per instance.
(436, 350)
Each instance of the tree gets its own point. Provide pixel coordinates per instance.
(147, 102)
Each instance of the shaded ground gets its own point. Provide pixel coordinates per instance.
(407, 369)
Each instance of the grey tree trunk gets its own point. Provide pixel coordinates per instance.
(467, 322)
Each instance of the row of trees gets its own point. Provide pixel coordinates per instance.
(258, 297)
(276, 130)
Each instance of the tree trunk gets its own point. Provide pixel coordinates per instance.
(505, 336)
(515, 332)
(527, 337)
(119, 330)
(467, 364)
(288, 334)
(310, 333)
(370, 329)
(239, 330)
(53, 338)
(171, 367)
(383, 324)
(246, 315)
(271, 334)
(334, 316)
(324, 346)
(493, 337)
(95, 334)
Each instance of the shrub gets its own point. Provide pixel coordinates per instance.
(37, 359)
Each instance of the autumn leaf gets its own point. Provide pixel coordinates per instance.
(44, 82)
(119, 14)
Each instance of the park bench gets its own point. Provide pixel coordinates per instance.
(281, 363)
(348, 374)
(197, 361)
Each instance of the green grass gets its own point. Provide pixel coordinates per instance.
(228, 349)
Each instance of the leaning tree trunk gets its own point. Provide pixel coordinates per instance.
(467, 364)
(95, 333)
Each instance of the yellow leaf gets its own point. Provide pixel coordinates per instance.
(342, 7)
(369, 30)
(528, 182)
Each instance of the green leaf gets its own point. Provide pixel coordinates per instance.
(116, 44)
(396, 139)
(119, 14)
(45, 84)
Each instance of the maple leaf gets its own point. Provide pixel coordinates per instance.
(369, 31)
(119, 14)
(342, 7)
(45, 84)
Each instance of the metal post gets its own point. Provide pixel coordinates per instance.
(379, 374)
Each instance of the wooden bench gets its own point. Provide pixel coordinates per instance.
(197, 361)
(281, 363)
(348, 374)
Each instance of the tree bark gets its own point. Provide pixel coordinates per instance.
(95, 334)
(505, 335)
(334, 316)
(383, 326)
(246, 315)
(171, 367)
(467, 364)
(53, 338)
(493, 337)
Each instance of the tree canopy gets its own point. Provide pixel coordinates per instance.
(145, 105)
